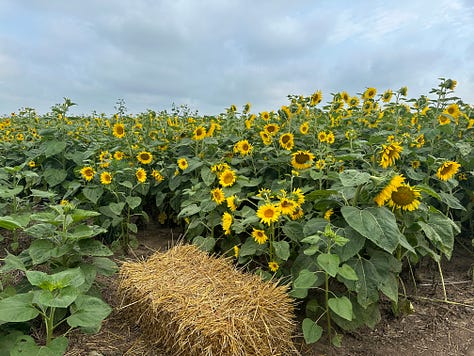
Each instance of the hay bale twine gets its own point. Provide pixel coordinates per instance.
(193, 304)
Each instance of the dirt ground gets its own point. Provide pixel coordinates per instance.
(435, 327)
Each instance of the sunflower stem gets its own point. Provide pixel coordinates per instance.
(442, 281)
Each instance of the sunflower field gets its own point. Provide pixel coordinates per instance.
(332, 197)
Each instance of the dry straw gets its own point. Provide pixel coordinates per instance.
(193, 304)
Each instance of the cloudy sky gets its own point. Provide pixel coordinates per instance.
(209, 54)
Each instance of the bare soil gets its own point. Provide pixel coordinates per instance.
(435, 327)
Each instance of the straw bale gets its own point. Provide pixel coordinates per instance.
(193, 304)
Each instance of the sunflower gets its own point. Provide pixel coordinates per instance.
(390, 153)
(345, 96)
(236, 251)
(320, 164)
(297, 214)
(226, 223)
(322, 136)
(87, 173)
(354, 101)
(157, 175)
(199, 133)
(140, 173)
(405, 197)
(302, 159)
(386, 192)
(243, 147)
(387, 96)
(452, 110)
(105, 178)
(419, 141)
(118, 130)
(444, 120)
(415, 164)
(304, 128)
(268, 213)
(264, 193)
(182, 163)
(218, 196)
(298, 195)
(330, 138)
(328, 214)
(447, 170)
(287, 141)
(259, 236)
(316, 98)
(287, 206)
(271, 129)
(265, 115)
(273, 266)
(369, 93)
(231, 203)
(31, 164)
(266, 138)
(119, 155)
(227, 178)
(144, 157)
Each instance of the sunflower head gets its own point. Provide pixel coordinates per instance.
(144, 157)
(105, 178)
(447, 170)
(369, 93)
(302, 159)
(199, 133)
(227, 178)
(118, 130)
(405, 197)
(316, 98)
(387, 96)
(182, 163)
(87, 173)
(259, 236)
(304, 128)
(218, 196)
(268, 213)
(287, 141)
(226, 223)
(271, 129)
(140, 174)
(390, 153)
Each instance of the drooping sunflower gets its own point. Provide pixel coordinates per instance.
(105, 178)
(268, 213)
(271, 129)
(369, 93)
(243, 147)
(140, 174)
(287, 206)
(199, 133)
(444, 120)
(345, 96)
(415, 164)
(226, 223)
(227, 178)
(405, 197)
(298, 195)
(87, 173)
(144, 157)
(447, 170)
(287, 141)
(386, 193)
(316, 98)
(328, 213)
(387, 96)
(273, 266)
(390, 153)
(231, 204)
(157, 176)
(182, 163)
(118, 130)
(259, 236)
(266, 138)
(218, 196)
(302, 159)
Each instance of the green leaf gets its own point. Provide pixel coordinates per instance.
(282, 249)
(189, 210)
(294, 230)
(305, 279)
(52, 147)
(105, 266)
(204, 243)
(81, 214)
(352, 247)
(91, 247)
(42, 250)
(311, 331)
(367, 284)
(353, 177)
(451, 201)
(93, 194)
(117, 208)
(54, 176)
(42, 193)
(88, 311)
(6, 193)
(12, 263)
(9, 223)
(69, 277)
(329, 263)
(58, 299)
(18, 308)
(207, 176)
(346, 271)
(248, 248)
(26, 346)
(342, 306)
(376, 224)
(133, 202)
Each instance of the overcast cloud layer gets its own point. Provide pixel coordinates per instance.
(209, 54)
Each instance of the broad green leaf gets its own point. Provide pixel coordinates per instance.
(91, 247)
(311, 331)
(294, 230)
(41, 250)
(9, 223)
(81, 214)
(42, 193)
(282, 249)
(6, 193)
(26, 346)
(88, 311)
(61, 298)
(117, 208)
(133, 202)
(84, 232)
(105, 266)
(347, 272)
(249, 247)
(305, 279)
(451, 201)
(352, 247)
(12, 263)
(367, 284)
(52, 147)
(207, 176)
(204, 243)
(342, 306)
(353, 177)
(189, 210)
(313, 226)
(329, 263)
(369, 316)
(93, 194)
(376, 224)
(18, 308)
(54, 176)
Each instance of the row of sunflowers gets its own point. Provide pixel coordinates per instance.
(330, 197)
